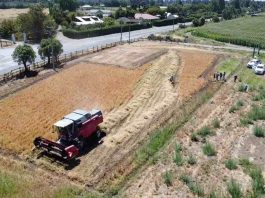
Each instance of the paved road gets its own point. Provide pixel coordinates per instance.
(71, 45)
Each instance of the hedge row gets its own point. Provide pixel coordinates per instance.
(165, 22)
(71, 33)
(249, 42)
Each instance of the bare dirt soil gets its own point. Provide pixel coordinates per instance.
(125, 56)
(135, 102)
(231, 140)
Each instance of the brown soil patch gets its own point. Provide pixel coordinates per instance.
(32, 112)
(232, 140)
(125, 56)
(194, 63)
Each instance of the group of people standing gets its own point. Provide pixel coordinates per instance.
(219, 76)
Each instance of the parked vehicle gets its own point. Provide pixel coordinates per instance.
(260, 69)
(253, 63)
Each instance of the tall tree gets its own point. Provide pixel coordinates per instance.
(50, 47)
(222, 5)
(33, 22)
(70, 5)
(215, 5)
(236, 4)
(24, 54)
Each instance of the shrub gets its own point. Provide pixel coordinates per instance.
(255, 173)
(205, 131)
(192, 160)
(260, 96)
(234, 189)
(245, 121)
(178, 148)
(216, 123)
(168, 178)
(185, 179)
(202, 21)
(196, 22)
(257, 182)
(239, 103)
(208, 149)
(194, 137)
(196, 189)
(247, 165)
(257, 113)
(258, 131)
(241, 88)
(231, 164)
(7, 28)
(216, 19)
(178, 159)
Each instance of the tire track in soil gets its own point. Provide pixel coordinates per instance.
(125, 125)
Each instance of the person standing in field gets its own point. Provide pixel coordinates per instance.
(217, 76)
(224, 76)
(221, 75)
(235, 78)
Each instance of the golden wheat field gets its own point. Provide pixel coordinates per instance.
(32, 111)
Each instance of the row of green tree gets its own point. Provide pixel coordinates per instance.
(49, 48)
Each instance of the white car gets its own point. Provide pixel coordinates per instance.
(253, 63)
(260, 69)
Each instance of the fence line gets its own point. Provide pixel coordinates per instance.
(62, 59)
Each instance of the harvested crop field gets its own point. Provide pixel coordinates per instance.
(125, 56)
(12, 13)
(135, 102)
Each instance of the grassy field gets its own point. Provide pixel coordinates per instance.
(247, 31)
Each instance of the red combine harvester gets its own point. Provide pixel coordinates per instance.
(74, 130)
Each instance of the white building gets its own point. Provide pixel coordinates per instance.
(87, 20)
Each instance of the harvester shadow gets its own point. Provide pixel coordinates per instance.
(90, 145)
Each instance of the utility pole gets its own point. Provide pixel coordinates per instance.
(1, 41)
(129, 33)
(50, 35)
(121, 33)
(53, 66)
